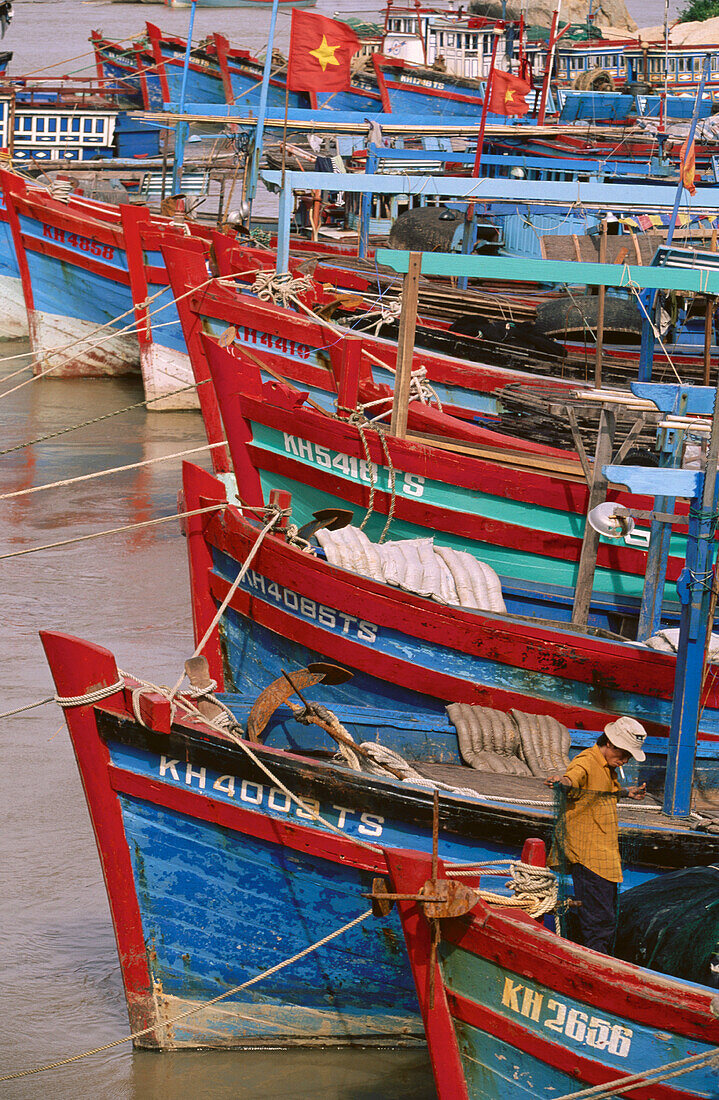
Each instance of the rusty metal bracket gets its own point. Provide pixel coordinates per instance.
(439, 898)
(279, 691)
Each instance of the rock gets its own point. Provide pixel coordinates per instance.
(684, 34)
(611, 13)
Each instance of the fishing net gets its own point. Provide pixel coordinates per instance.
(669, 923)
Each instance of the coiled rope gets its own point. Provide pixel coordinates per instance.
(270, 286)
(198, 1008)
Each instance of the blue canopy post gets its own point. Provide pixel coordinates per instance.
(694, 586)
(254, 172)
(648, 299)
(182, 128)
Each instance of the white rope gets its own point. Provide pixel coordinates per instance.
(277, 515)
(109, 531)
(534, 888)
(222, 725)
(29, 706)
(95, 696)
(271, 286)
(126, 330)
(645, 1078)
(197, 1008)
(112, 470)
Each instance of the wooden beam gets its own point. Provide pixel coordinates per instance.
(405, 346)
(685, 280)
(570, 469)
(590, 543)
(708, 332)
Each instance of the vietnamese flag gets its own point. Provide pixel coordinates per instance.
(320, 53)
(688, 166)
(507, 94)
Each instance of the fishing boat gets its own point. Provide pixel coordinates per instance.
(81, 281)
(227, 854)
(511, 1009)
(217, 73)
(153, 65)
(259, 5)
(228, 860)
(408, 88)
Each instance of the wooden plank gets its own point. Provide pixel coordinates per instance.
(590, 543)
(405, 346)
(570, 468)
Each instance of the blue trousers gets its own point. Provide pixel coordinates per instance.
(597, 915)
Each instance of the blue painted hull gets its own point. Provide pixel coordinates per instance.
(215, 874)
(219, 907)
(413, 100)
(83, 306)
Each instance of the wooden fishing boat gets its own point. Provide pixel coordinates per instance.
(84, 267)
(522, 513)
(224, 856)
(13, 320)
(465, 388)
(217, 73)
(293, 608)
(407, 88)
(513, 1010)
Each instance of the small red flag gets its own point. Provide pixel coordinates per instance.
(320, 53)
(688, 165)
(507, 94)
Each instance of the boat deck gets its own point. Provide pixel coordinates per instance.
(647, 814)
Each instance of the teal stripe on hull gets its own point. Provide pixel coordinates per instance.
(520, 564)
(515, 564)
(497, 1071)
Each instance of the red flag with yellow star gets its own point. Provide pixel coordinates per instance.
(507, 94)
(320, 53)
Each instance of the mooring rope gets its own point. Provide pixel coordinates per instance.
(111, 470)
(126, 330)
(63, 348)
(110, 531)
(29, 706)
(271, 522)
(105, 416)
(198, 1008)
(645, 1078)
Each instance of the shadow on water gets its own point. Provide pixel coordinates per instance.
(285, 1075)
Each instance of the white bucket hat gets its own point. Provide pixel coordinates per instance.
(628, 734)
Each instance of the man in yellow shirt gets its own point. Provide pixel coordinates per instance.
(588, 834)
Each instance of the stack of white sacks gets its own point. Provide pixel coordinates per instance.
(417, 565)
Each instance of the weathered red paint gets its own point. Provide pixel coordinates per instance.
(412, 871)
(77, 668)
